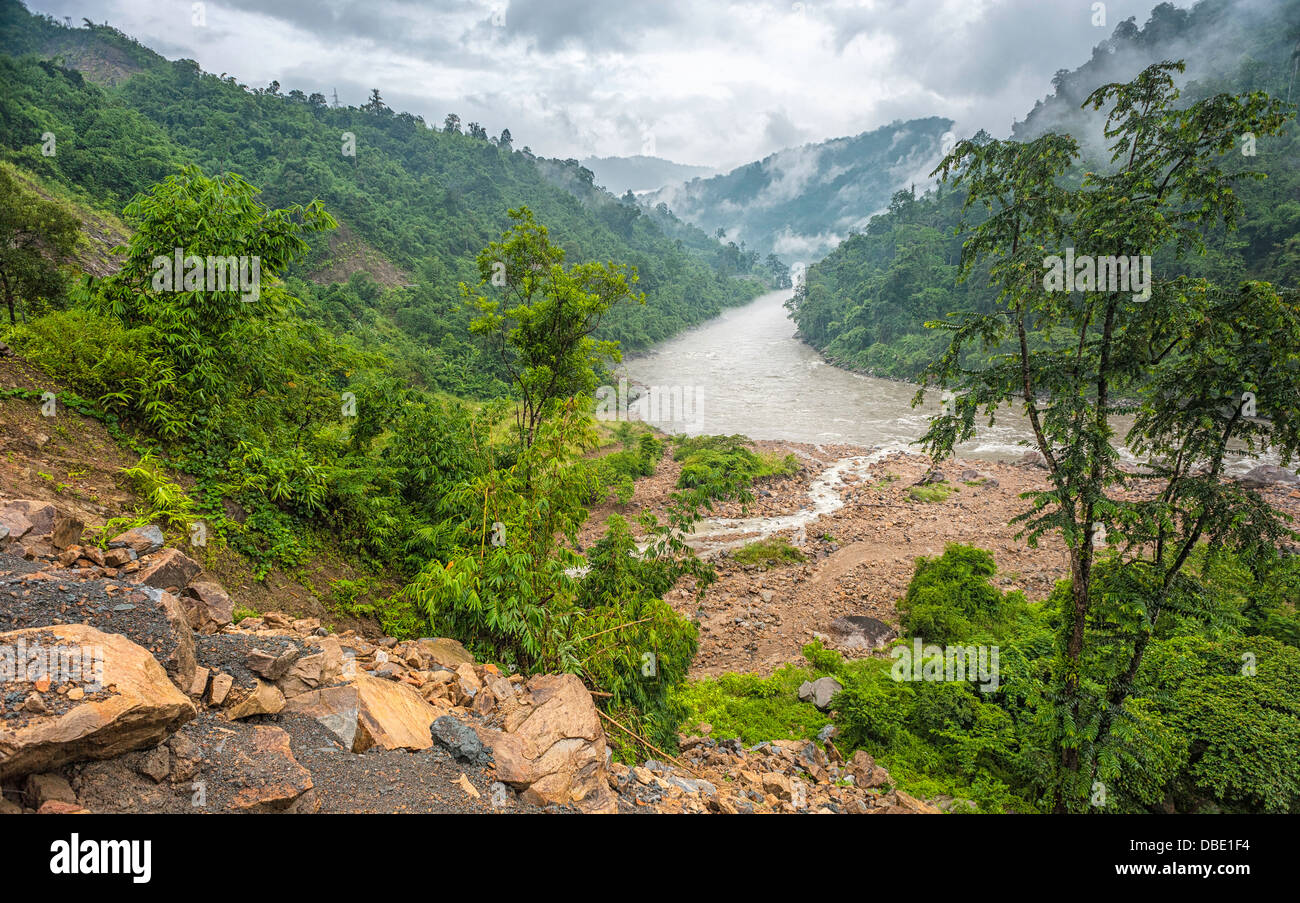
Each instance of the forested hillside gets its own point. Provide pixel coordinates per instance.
(799, 202)
(865, 305)
(415, 200)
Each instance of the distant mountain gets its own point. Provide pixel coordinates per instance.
(641, 173)
(866, 304)
(801, 202)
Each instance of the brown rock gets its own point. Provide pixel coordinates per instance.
(168, 568)
(200, 683)
(67, 531)
(39, 517)
(910, 803)
(271, 665)
(556, 752)
(117, 558)
(41, 788)
(445, 652)
(207, 606)
(266, 699)
(391, 715)
(274, 781)
(866, 773)
(314, 669)
(778, 785)
(155, 764)
(141, 540)
(57, 807)
(221, 686)
(139, 707)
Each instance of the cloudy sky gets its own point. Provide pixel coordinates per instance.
(698, 81)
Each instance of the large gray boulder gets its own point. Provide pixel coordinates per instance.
(820, 692)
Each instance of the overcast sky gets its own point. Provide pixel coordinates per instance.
(696, 81)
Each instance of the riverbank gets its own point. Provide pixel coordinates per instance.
(852, 513)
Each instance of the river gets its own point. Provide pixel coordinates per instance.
(745, 372)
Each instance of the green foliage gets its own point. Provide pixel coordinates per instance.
(768, 553)
(950, 599)
(34, 233)
(931, 493)
(166, 502)
(617, 472)
(752, 708)
(542, 320)
(725, 467)
(632, 644)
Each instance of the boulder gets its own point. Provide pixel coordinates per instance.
(778, 785)
(445, 652)
(67, 531)
(820, 692)
(314, 669)
(931, 476)
(368, 712)
(272, 778)
(42, 788)
(133, 706)
(141, 540)
(866, 773)
(222, 684)
(168, 568)
(336, 708)
(174, 648)
(460, 740)
(207, 606)
(272, 665)
(391, 715)
(556, 753)
(14, 523)
(58, 807)
(39, 516)
(860, 632)
(266, 699)
(1034, 458)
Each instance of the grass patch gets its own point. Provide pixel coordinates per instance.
(752, 708)
(935, 492)
(769, 553)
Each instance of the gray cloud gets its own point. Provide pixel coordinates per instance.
(715, 84)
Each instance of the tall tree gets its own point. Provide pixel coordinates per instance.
(1183, 357)
(34, 234)
(539, 315)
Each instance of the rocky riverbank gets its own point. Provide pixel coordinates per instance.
(860, 549)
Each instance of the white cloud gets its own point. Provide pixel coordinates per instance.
(712, 83)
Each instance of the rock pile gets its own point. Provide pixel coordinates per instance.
(176, 708)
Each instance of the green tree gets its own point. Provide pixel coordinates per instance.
(1182, 360)
(539, 317)
(34, 233)
(195, 316)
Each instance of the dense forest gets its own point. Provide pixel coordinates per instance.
(866, 304)
(415, 200)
